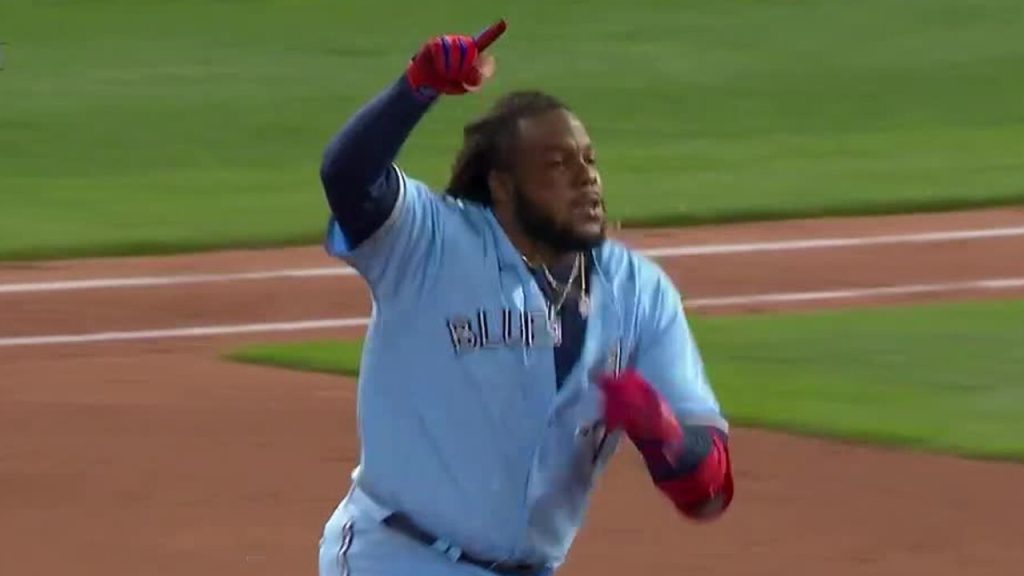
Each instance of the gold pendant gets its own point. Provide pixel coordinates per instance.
(555, 327)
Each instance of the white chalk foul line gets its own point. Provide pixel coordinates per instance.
(826, 243)
(189, 332)
(694, 304)
(175, 280)
(846, 294)
(662, 252)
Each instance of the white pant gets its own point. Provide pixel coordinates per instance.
(355, 543)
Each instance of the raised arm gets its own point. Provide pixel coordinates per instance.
(383, 223)
(356, 172)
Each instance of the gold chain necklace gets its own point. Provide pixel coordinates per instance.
(578, 270)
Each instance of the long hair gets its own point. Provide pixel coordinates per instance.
(487, 142)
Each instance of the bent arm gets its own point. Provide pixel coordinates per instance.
(692, 466)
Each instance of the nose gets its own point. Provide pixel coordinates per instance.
(586, 174)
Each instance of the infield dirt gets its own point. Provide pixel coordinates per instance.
(156, 456)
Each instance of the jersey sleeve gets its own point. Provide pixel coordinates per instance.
(668, 357)
(397, 260)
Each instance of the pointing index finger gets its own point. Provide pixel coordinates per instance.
(492, 33)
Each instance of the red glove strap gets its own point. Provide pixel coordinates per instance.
(705, 493)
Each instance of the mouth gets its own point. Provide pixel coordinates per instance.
(590, 208)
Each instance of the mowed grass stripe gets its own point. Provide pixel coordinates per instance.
(943, 377)
(152, 127)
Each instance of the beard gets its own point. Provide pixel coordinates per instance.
(545, 228)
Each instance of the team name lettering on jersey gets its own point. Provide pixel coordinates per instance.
(500, 328)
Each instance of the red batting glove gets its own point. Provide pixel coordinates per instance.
(453, 64)
(632, 404)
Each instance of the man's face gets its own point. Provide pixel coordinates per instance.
(558, 197)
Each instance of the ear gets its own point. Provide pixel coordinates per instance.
(501, 187)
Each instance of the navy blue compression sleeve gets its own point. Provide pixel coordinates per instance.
(360, 188)
(698, 443)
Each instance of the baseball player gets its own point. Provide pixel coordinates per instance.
(511, 344)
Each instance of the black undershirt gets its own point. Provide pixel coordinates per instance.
(573, 324)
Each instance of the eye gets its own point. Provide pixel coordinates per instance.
(555, 162)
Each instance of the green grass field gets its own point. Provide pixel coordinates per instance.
(947, 378)
(154, 126)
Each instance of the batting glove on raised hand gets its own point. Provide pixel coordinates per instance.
(453, 64)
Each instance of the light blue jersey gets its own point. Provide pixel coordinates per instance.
(461, 425)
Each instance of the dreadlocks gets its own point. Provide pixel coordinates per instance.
(488, 141)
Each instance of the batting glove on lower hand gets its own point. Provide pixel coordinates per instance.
(632, 404)
(453, 64)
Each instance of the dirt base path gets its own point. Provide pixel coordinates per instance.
(127, 446)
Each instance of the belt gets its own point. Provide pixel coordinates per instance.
(403, 524)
